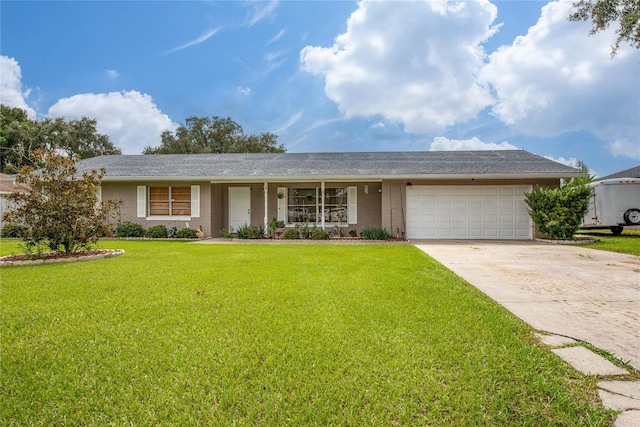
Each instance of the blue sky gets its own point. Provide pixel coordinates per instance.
(331, 75)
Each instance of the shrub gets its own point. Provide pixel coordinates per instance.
(61, 211)
(319, 234)
(226, 234)
(129, 229)
(250, 231)
(375, 234)
(274, 225)
(157, 232)
(353, 233)
(558, 212)
(187, 233)
(291, 234)
(13, 231)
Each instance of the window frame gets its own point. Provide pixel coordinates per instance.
(340, 212)
(193, 202)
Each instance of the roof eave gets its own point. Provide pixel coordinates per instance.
(351, 178)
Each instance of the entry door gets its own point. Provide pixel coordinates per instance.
(239, 207)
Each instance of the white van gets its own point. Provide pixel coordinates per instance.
(615, 203)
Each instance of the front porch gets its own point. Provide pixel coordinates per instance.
(323, 204)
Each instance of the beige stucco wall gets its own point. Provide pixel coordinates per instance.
(127, 192)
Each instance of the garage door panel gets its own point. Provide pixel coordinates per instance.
(490, 232)
(458, 212)
(507, 219)
(507, 205)
(474, 218)
(490, 219)
(475, 232)
(459, 218)
(444, 219)
(459, 205)
(474, 205)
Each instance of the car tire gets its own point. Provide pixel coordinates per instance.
(632, 217)
(616, 230)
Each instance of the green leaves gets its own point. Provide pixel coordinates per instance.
(59, 211)
(558, 212)
(20, 136)
(603, 13)
(202, 135)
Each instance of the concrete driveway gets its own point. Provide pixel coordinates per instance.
(587, 294)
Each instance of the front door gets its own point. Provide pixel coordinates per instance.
(239, 207)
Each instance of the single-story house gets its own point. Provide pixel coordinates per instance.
(627, 173)
(418, 195)
(7, 186)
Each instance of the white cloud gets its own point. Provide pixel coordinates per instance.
(131, 120)
(244, 90)
(558, 79)
(113, 73)
(11, 92)
(290, 122)
(441, 143)
(261, 10)
(276, 37)
(572, 161)
(411, 62)
(200, 39)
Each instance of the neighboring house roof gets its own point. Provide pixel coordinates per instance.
(7, 184)
(355, 165)
(627, 173)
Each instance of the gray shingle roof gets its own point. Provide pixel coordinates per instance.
(627, 173)
(354, 165)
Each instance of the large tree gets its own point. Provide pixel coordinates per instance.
(603, 13)
(202, 135)
(20, 136)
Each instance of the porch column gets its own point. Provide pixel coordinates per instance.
(265, 190)
(322, 205)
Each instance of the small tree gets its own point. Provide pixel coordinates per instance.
(60, 210)
(558, 212)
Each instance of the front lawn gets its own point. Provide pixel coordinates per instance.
(627, 243)
(174, 333)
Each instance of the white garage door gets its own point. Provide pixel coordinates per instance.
(461, 212)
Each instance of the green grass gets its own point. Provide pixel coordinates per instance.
(173, 333)
(627, 243)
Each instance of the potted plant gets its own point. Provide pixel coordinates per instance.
(276, 228)
(280, 195)
(309, 196)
